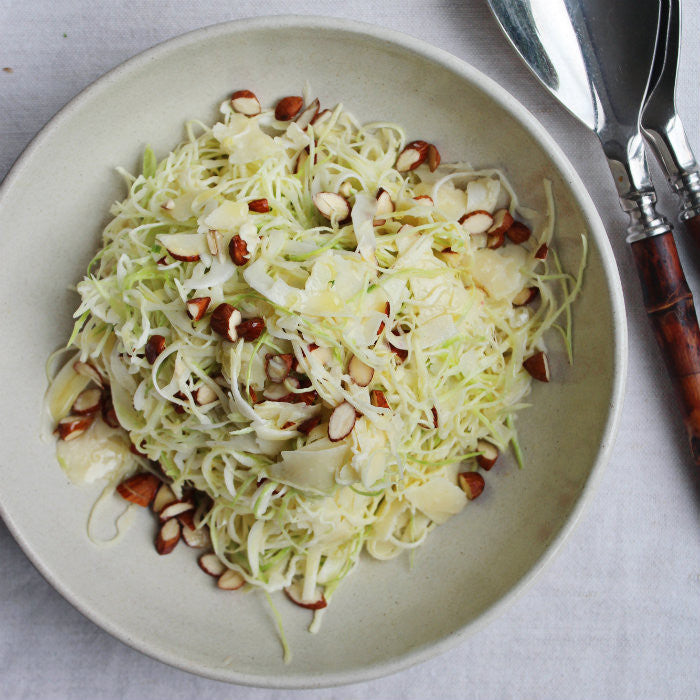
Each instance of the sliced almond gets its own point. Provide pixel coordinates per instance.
(197, 538)
(341, 422)
(168, 536)
(238, 250)
(434, 412)
(412, 156)
(154, 346)
(385, 205)
(172, 510)
(525, 296)
(213, 241)
(90, 371)
(288, 108)
(472, 483)
(488, 456)
(308, 425)
(307, 397)
(164, 497)
(322, 355)
(542, 251)
(88, 402)
(478, 221)
(183, 246)
(205, 395)
(450, 257)
(211, 564)
(140, 489)
(295, 593)
(230, 580)
(197, 307)
(401, 354)
(378, 399)
(332, 205)
(72, 427)
(308, 115)
(260, 206)
(277, 367)
(424, 199)
(359, 372)
(433, 158)
(186, 519)
(224, 321)
(245, 102)
(502, 221)
(251, 328)
(518, 232)
(538, 366)
(178, 408)
(109, 415)
(495, 240)
(168, 205)
(321, 117)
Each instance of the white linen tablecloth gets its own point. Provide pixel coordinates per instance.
(616, 615)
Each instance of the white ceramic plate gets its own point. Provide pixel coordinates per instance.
(52, 208)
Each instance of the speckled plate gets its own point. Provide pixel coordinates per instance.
(53, 206)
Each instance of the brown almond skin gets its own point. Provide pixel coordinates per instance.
(505, 224)
(321, 603)
(251, 328)
(154, 346)
(308, 425)
(421, 147)
(472, 483)
(245, 94)
(219, 319)
(92, 408)
(69, 425)
(202, 304)
(542, 251)
(139, 489)
(109, 415)
(286, 358)
(164, 546)
(238, 250)
(433, 158)
(288, 108)
(495, 240)
(518, 232)
(307, 397)
(537, 366)
(378, 399)
(487, 462)
(261, 206)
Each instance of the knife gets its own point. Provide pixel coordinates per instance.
(662, 126)
(596, 58)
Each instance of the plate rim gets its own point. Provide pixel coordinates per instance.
(531, 124)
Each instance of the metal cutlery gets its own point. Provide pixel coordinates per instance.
(661, 124)
(596, 57)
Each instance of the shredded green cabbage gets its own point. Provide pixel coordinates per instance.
(286, 508)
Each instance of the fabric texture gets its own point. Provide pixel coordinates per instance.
(616, 615)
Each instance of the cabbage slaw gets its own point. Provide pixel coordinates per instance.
(287, 508)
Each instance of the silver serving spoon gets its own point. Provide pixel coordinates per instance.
(662, 125)
(596, 58)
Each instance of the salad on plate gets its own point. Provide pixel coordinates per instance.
(303, 338)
